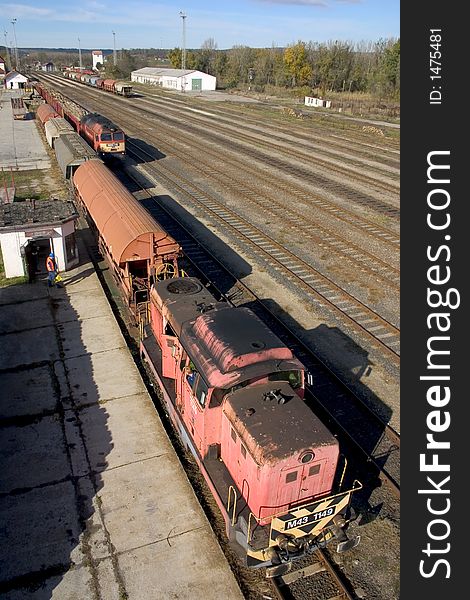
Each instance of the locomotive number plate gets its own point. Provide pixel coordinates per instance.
(312, 518)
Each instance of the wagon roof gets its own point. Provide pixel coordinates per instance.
(271, 430)
(127, 228)
(44, 111)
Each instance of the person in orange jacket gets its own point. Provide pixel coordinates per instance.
(51, 267)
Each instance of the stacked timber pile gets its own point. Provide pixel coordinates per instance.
(292, 112)
(371, 129)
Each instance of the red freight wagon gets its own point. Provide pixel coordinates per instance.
(108, 85)
(45, 112)
(135, 245)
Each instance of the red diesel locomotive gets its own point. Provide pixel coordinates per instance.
(102, 134)
(234, 393)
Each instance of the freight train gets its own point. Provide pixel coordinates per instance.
(122, 88)
(103, 135)
(233, 390)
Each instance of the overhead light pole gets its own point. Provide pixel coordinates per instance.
(114, 49)
(183, 54)
(80, 54)
(17, 62)
(9, 66)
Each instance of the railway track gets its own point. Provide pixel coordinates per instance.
(313, 155)
(340, 405)
(297, 189)
(317, 580)
(228, 176)
(353, 417)
(333, 145)
(348, 310)
(363, 430)
(380, 333)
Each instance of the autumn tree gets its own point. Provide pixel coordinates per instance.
(297, 65)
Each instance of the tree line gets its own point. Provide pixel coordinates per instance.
(335, 66)
(372, 67)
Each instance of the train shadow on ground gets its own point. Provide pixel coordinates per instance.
(158, 204)
(152, 154)
(54, 442)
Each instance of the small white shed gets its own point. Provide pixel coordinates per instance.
(183, 80)
(15, 81)
(49, 224)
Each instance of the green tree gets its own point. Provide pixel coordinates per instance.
(385, 78)
(175, 58)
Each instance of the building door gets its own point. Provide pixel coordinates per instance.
(196, 84)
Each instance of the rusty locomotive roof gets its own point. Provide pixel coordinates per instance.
(271, 430)
(127, 228)
(92, 119)
(227, 344)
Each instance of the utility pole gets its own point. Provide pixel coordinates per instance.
(114, 49)
(5, 33)
(80, 54)
(17, 62)
(183, 54)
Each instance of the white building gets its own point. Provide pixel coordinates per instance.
(3, 69)
(15, 81)
(317, 102)
(97, 56)
(183, 80)
(48, 225)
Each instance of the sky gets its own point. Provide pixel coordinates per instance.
(146, 24)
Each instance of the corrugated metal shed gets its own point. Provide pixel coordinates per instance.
(176, 79)
(126, 227)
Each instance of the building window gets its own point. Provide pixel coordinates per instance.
(290, 477)
(233, 434)
(243, 450)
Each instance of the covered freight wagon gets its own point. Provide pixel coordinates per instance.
(72, 151)
(45, 112)
(137, 248)
(56, 127)
(108, 85)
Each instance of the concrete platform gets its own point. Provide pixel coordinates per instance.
(20, 144)
(94, 503)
